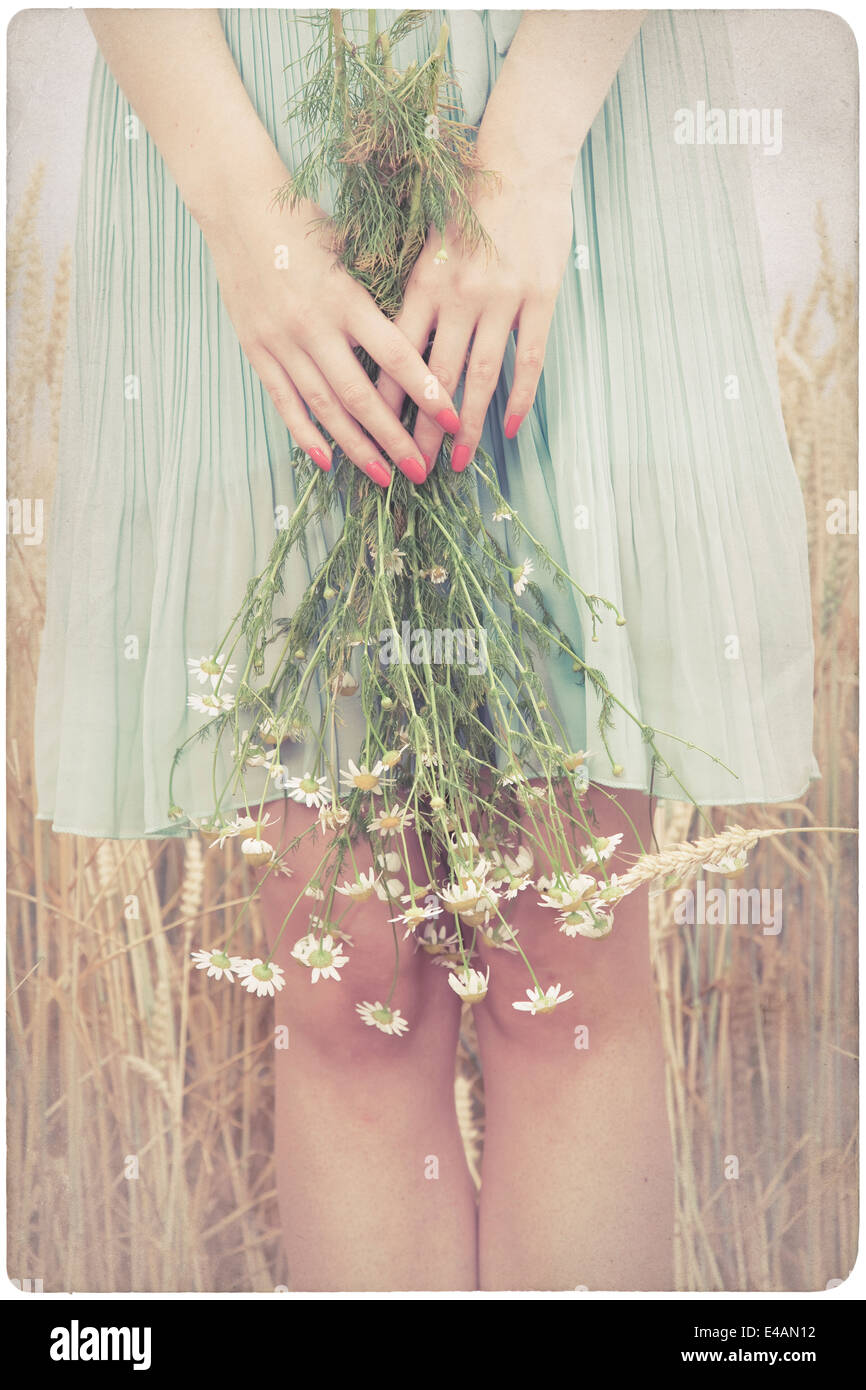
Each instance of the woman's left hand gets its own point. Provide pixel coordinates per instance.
(476, 298)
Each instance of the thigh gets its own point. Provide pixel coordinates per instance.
(373, 961)
(605, 974)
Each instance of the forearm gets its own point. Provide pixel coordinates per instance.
(176, 71)
(557, 73)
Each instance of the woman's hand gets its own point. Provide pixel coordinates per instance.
(557, 72)
(298, 314)
(478, 297)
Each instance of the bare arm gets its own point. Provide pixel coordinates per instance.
(298, 320)
(176, 71)
(557, 73)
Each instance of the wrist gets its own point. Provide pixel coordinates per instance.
(235, 193)
(522, 167)
(547, 175)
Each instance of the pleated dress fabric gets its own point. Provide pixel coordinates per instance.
(653, 466)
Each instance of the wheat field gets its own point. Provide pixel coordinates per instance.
(139, 1097)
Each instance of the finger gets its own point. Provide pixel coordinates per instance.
(535, 319)
(415, 321)
(447, 361)
(359, 397)
(291, 409)
(388, 346)
(482, 374)
(343, 429)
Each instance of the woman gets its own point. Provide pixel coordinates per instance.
(619, 370)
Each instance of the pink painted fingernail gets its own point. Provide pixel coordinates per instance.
(447, 420)
(460, 458)
(414, 469)
(512, 425)
(321, 458)
(379, 473)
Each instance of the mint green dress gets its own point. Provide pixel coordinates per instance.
(654, 464)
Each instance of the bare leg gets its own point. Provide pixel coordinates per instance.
(373, 1185)
(578, 1174)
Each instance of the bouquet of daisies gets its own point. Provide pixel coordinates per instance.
(460, 749)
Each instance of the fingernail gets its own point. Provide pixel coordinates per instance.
(321, 458)
(447, 420)
(414, 470)
(379, 473)
(512, 425)
(460, 457)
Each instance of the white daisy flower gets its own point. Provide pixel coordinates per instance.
(462, 896)
(502, 514)
(392, 821)
(241, 825)
(386, 1020)
(304, 944)
(321, 955)
(308, 790)
(480, 914)
(438, 574)
(362, 888)
(435, 940)
(332, 816)
(593, 921)
(501, 935)
(470, 984)
(415, 915)
(211, 668)
(217, 964)
(543, 1002)
(730, 865)
(602, 849)
(521, 576)
(256, 851)
(210, 704)
(261, 979)
(364, 778)
(612, 891)
(464, 843)
(568, 892)
(517, 885)
(260, 757)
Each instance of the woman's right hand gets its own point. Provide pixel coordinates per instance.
(298, 314)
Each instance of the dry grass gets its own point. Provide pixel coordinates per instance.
(761, 1031)
(122, 1060)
